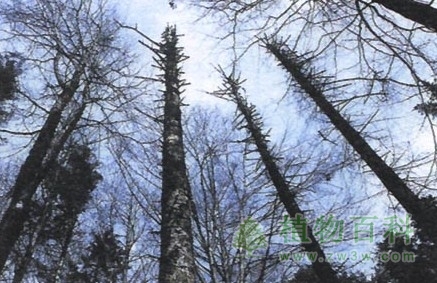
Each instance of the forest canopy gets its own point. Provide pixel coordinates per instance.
(218, 141)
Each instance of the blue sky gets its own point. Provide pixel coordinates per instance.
(266, 87)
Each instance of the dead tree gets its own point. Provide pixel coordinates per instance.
(252, 122)
(423, 211)
(177, 254)
(416, 11)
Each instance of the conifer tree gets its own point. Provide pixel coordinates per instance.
(177, 254)
(402, 262)
(419, 12)
(9, 71)
(423, 210)
(103, 261)
(62, 197)
(252, 121)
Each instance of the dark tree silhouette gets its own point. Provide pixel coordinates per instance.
(421, 13)
(423, 211)
(105, 260)
(64, 194)
(176, 262)
(102, 261)
(252, 122)
(79, 56)
(417, 262)
(9, 72)
(307, 275)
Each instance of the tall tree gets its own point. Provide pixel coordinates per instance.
(76, 59)
(253, 123)
(176, 262)
(229, 188)
(423, 211)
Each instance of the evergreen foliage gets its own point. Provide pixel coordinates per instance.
(62, 197)
(10, 65)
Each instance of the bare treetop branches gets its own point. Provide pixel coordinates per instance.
(364, 32)
(72, 36)
(253, 123)
(177, 252)
(73, 46)
(380, 65)
(423, 212)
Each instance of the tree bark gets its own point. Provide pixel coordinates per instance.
(177, 253)
(420, 13)
(422, 213)
(31, 173)
(322, 268)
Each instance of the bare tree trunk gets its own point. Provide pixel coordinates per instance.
(253, 122)
(80, 41)
(177, 255)
(422, 213)
(58, 144)
(420, 13)
(31, 174)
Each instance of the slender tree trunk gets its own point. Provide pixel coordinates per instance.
(56, 275)
(31, 174)
(57, 145)
(177, 255)
(418, 12)
(422, 213)
(322, 268)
